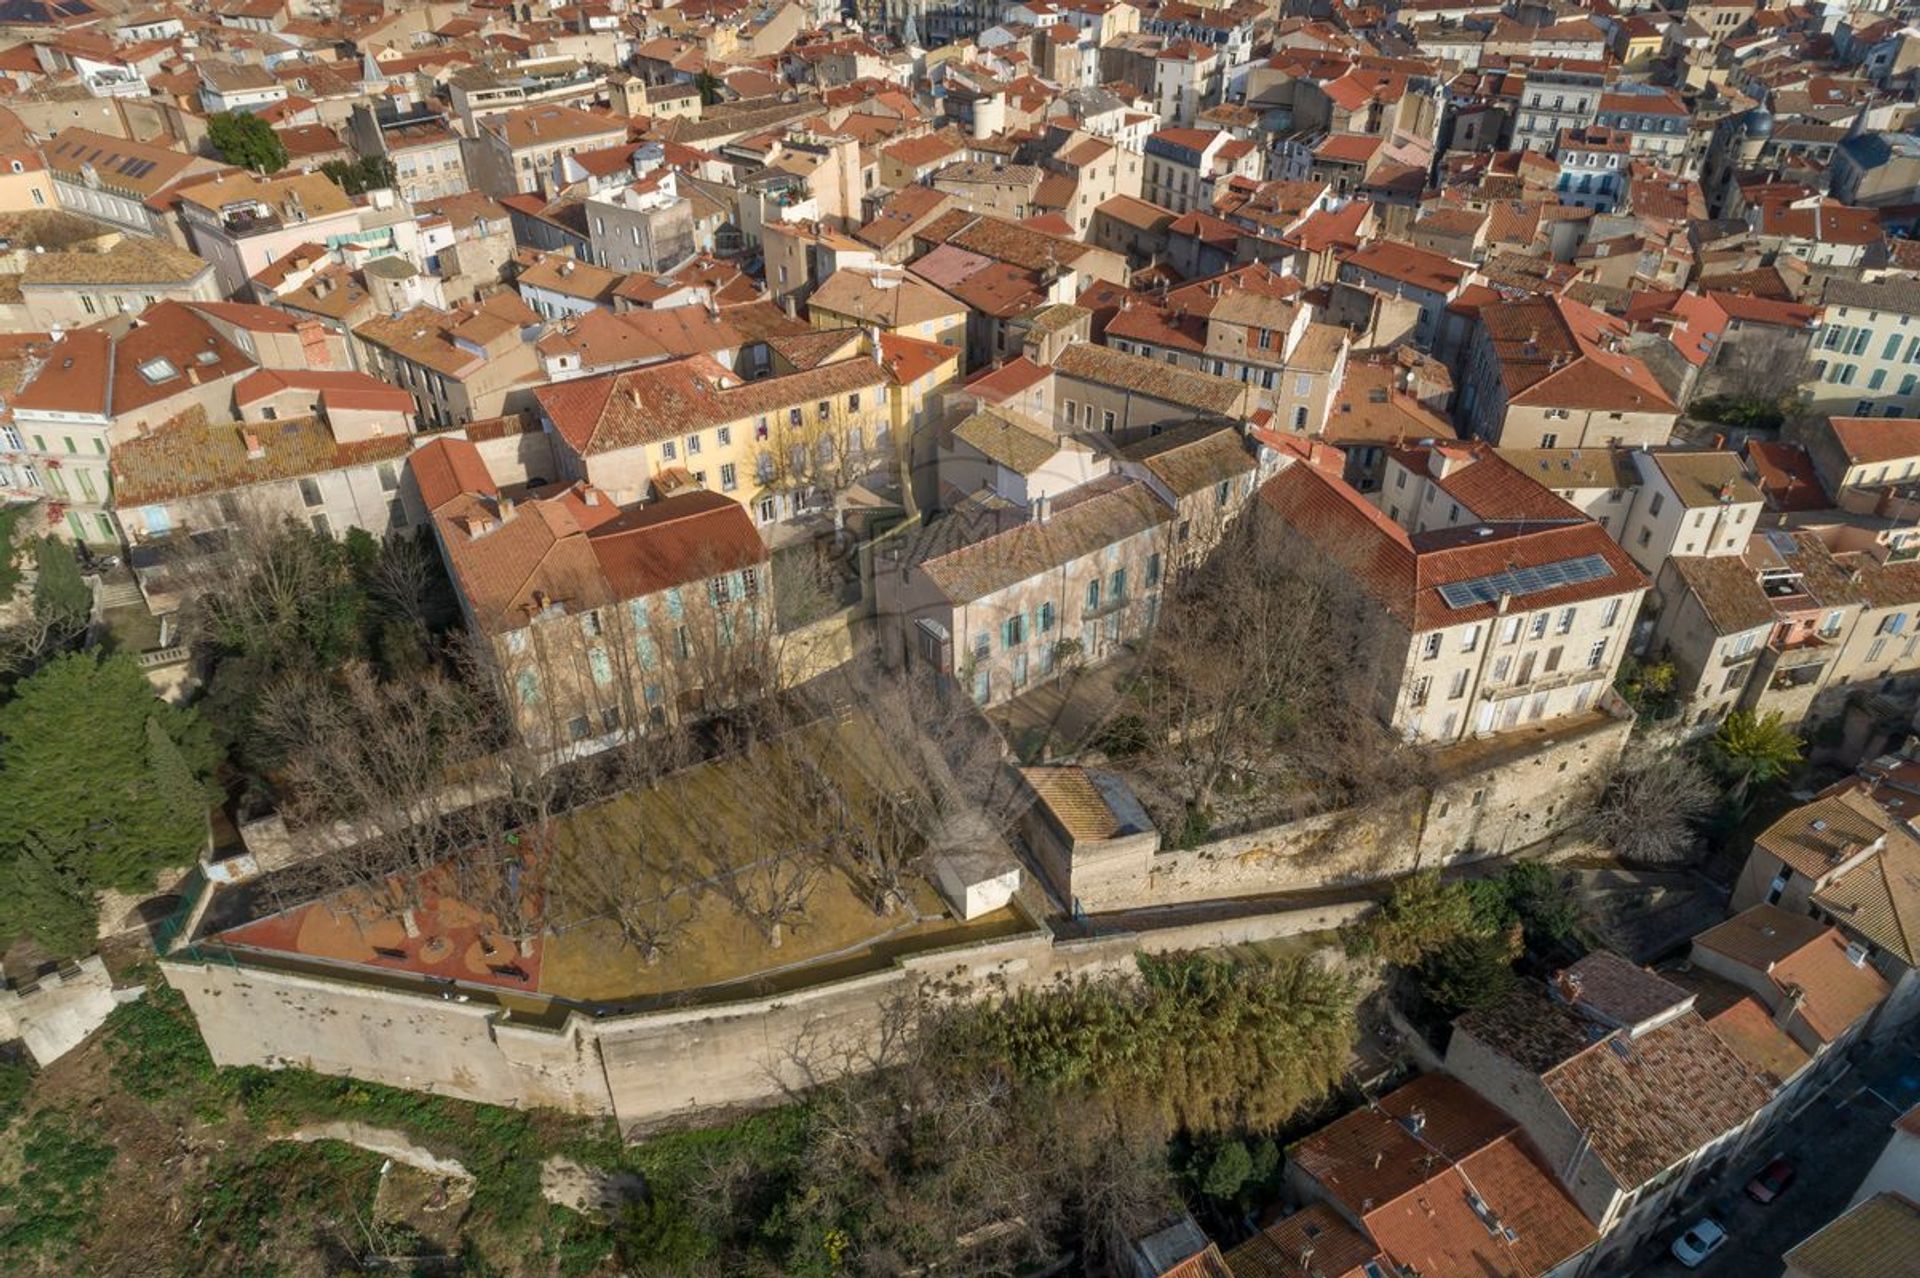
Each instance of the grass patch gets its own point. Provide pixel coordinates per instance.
(157, 1051)
(263, 1206)
(49, 1204)
(16, 1080)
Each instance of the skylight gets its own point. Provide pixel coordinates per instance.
(158, 369)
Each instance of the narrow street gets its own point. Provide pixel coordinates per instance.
(1832, 1142)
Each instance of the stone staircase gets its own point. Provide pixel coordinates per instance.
(112, 594)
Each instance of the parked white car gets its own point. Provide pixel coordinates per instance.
(1701, 1240)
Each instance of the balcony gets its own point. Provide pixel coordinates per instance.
(1800, 653)
(1541, 683)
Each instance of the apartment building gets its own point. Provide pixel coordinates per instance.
(1655, 121)
(1426, 280)
(1099, 389)
(121, 182)
(1558, 94)
(891, 300)
(601, 620)
(1516, 612)
(244, 222)
(642, 225)
(780, 447)
(1845, 858)
(326, 449)
(65, 290)
(424, 151)
(101, 387)
(1818, 986)
(1866, 358)
(513, 152)
(1862, 462)
(1183, 167)
(999, 602)
(1593, 167)
(1617, 1079)
(1791, 625)
(1187, 77)
(1248, 325)
(1431, 1170)
(1546, 372)
(473, 362)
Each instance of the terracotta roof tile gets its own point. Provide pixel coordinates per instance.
(662, 401)
(1645, 1101)
(193, 457)
(1877, 1238)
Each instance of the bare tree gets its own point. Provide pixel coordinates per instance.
(772, 890)
(390, 773)
(1651, 806)
(1764, 366)
(1265, 665)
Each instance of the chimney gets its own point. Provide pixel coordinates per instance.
(256, 451)
(506, 508)
(1566, 986)
(1794, 1000)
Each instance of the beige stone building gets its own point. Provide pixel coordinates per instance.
(1513, 613)
(780, 447)
(889, 299)
(1619, 1081)
(1250, 325)
(1847, 859)
(1791, 625)
(601, 620)
(67, 290)
(1550, 373)
(998, 609)
(1101, 390)
(513, 152)
(325, 449)
(473, 362)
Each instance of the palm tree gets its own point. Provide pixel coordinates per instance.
(1752, 750)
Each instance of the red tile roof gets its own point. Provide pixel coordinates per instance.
(1554, 352)
(1409, 265)
(1786, 475)
(1404, 574)
(1867, 440)
(1441, 1198)
(446, 469)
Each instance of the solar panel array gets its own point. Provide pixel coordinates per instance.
(1525, 581)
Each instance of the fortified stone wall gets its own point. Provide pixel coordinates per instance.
(646, 1068)
(1492, 798)
(273, 1018)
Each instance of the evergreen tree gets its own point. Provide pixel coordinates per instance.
(61, 595)
(48, 898)
(81, 776)
(183, 796)
(246, 140)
